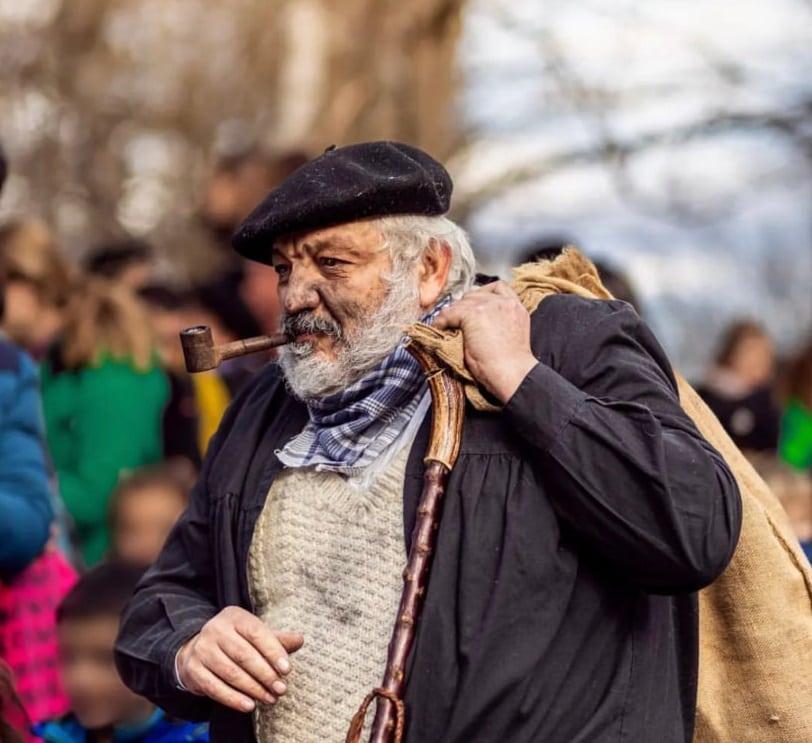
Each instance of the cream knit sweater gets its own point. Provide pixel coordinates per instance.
(326, 560)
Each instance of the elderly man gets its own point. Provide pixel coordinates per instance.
(578, 523)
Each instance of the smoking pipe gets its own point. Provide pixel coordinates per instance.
(202, 354)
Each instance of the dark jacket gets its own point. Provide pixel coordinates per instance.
(753, 420)
(577, 526)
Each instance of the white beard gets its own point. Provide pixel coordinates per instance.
(309, 375)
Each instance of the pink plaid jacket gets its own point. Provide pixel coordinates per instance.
(28, 633)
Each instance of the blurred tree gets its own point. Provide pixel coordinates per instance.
(674, 138)
(114, 109)
(627, 81)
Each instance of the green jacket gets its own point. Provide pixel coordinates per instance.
(796, 435)
(100, 421)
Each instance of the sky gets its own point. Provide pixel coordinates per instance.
(710, 228)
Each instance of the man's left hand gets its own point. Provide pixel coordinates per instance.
(496, 336)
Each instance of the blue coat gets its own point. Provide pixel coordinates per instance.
(25, 497)
(157, 729)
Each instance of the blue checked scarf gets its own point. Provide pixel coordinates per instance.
(347, 431)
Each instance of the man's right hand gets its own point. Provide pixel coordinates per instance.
(237, 661)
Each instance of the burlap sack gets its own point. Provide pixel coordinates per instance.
(755, 620)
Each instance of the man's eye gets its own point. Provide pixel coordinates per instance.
(328, 262)
(281, 269)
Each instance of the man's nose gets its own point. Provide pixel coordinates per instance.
(300, 293)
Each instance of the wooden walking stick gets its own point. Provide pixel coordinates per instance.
(447, 408)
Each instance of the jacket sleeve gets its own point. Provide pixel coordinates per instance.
(173, 601)
(624, 466)
(25, 495)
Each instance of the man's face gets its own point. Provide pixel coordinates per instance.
(336, 275)
(339, 304)
(98, 697)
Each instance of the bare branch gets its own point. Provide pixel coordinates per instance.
(792, 123)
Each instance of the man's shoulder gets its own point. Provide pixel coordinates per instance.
(569, 332)
(565, 320)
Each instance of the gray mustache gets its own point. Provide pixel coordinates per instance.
(306, 322)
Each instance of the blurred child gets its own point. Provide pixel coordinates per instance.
(28, 643)
(243, 298)
(13, 719)
(738, 388)
(34, 576)
(144, 509)
(794, 490)
(103, 395)
(128, 262)
(196, 402)
(103, 709)
(39, 283)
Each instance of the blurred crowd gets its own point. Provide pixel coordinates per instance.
(103, 432)
(765, 405)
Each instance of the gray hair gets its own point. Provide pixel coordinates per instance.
(406, 237)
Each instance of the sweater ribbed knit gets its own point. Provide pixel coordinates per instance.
(326, 560)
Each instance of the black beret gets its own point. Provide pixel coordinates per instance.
(373, 179)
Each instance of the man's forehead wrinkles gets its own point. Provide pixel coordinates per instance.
(298, 246)
(314, 247)
(337, 242)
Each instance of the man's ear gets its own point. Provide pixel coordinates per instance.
(432, 272)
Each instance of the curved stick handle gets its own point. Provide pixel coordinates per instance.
(448, 407)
